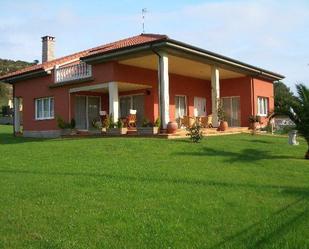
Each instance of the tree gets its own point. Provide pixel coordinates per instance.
(7, 66)
(298, 112)
(283, 96)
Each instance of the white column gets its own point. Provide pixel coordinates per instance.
(113, 100)
(16, 115)
(164, 89)
(215, 94)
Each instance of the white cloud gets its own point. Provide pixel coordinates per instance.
(270, 34)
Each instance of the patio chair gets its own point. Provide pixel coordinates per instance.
(203, 121)
(188, 121)
(209, 121)
(131, 120)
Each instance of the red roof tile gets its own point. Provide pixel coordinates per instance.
(128, 42)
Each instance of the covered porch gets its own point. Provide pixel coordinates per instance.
(92, 103)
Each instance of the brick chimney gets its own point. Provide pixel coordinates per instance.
(48, 48)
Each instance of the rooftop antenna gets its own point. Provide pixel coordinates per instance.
(144, 11)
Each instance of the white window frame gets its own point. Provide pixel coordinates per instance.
(186, 106)
(49, 116)
(262, 106)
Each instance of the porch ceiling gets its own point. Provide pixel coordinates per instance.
(180, 66)
(103, 88)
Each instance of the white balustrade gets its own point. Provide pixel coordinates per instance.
(73, 72)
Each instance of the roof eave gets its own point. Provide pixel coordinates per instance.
(169, 43)
(27, 75)
(223, 59)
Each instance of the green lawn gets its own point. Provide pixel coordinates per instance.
(237, 191)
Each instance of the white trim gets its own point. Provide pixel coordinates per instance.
(265, 106)
(113, 100)
(42, 108)
(215, 94)
(164, 89)
(16, 114)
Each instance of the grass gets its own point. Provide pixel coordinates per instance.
(237, 191)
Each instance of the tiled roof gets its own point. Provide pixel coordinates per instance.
(128, 42)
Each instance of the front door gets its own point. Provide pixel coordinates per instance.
(81, 112)
(199, 107)
(138, 105)
(135, 102)
(231, 107)
(93, 111)
(87, 108)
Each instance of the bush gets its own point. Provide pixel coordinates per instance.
(119, 123)
(6, 111)
(285, 129)
(254, 119)
(62, 124)
(195, 133)
(73, 123)
(157, 123)
(111, 123)
(146, 123)
(96, 123)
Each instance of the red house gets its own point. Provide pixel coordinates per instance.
(151, 73)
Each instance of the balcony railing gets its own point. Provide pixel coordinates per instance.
(74, 72)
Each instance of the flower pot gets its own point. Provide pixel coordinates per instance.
(172, 127)
(116, 131)
(223, 126)
(147, 130)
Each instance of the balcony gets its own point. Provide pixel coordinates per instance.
(73, 72)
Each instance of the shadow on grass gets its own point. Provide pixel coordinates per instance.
(260, 141)
(296, 191)
(245, 155)
(270, 230)
(7, 138)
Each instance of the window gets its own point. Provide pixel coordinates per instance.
(262, 106)
(180, 106)
(44, 108)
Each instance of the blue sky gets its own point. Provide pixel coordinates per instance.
(270, 34)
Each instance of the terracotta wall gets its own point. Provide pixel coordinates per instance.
(263, 88)
(102, 73)
(239, 87)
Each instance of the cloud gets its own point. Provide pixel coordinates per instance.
(270, 34)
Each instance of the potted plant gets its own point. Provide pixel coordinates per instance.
(222, 118)
(254, 121)
(66, 127)
(97, 124)
(116, 128)
(149, 128)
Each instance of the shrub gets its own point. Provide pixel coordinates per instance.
(157, 123)
(254, 119)
(62, 124)
(119, 123)
(73, 123)
(146, 123)
(221, 112)
(111, 123)
(6, 110)
(195, 133)
(96, 123)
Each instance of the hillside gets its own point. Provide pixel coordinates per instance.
(7, 66)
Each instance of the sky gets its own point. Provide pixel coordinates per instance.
(270, 34)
